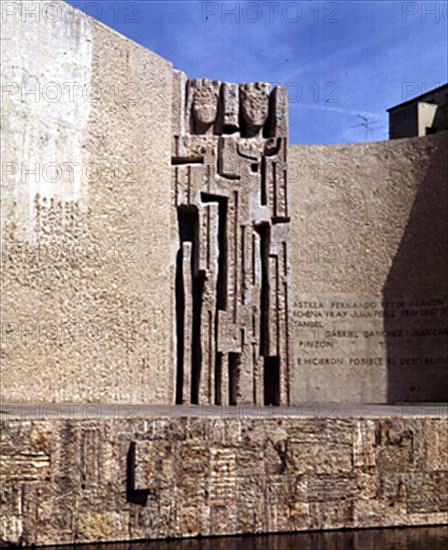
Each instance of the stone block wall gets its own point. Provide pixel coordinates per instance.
(126, 476)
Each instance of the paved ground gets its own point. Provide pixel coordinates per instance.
(92, 411)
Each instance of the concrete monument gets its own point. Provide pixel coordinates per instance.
(232, 274)
(171, 268)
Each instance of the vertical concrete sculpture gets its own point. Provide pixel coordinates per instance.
(229, 165)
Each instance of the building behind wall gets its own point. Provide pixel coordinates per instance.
(420, 116)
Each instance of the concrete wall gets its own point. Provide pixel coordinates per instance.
(368, 252)
(86, 244)
(87, 263)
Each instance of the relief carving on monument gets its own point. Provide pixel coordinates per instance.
(229, 167)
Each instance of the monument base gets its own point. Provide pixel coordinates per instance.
(81, 473)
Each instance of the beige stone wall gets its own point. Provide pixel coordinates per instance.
(368, 257)
(87, 301)
(88, 479)
(89, 235)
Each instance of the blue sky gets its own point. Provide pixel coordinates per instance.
(337, 59)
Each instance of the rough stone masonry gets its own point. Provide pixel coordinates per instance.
(116, 474)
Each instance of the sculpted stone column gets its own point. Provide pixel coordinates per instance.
(232, 273)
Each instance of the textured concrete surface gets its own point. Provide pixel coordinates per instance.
(71, 480)
(368, 260)
(87, 299)
(90, 240)
(232, 272)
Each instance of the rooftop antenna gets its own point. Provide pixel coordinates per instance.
(366, 125)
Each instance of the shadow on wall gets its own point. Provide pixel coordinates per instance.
(417, 359)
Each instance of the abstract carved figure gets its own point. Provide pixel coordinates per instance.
(232, 274)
